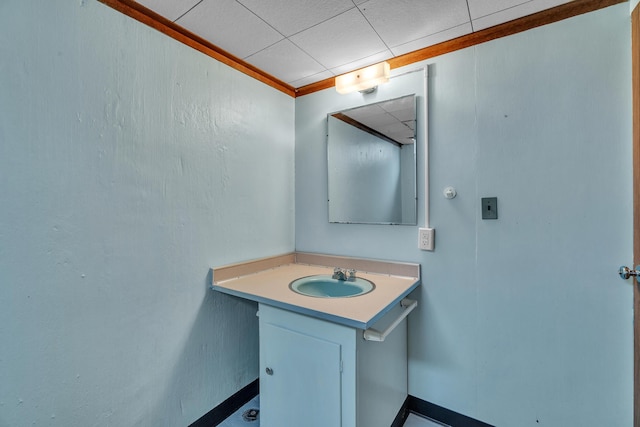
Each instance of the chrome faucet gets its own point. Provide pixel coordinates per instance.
(344, 274)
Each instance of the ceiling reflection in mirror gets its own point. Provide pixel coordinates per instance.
(372, 163)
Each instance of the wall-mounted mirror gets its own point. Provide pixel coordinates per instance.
(372, 163)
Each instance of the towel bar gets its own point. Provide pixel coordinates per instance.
(375, 335)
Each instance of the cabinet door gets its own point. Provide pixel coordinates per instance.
(299, 379)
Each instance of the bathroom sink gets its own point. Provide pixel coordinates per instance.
(324, 286)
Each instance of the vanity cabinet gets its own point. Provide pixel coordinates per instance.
(317, 373)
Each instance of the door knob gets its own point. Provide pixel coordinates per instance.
(625, 272)
(269, 371)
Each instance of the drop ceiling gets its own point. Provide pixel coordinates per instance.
(301, 42)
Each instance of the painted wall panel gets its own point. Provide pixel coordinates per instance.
(522, 321)
(129, 165)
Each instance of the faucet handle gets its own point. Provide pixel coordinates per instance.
(352, 274)
(339, 274)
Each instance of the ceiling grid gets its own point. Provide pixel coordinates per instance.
(305, 41)
(299, 46)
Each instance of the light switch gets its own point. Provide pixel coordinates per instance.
(489, 208)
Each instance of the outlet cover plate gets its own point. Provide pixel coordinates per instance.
(426, 239)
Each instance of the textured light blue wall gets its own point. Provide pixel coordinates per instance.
(522, 321)
(129, 165)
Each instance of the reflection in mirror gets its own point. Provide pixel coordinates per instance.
(372, 163)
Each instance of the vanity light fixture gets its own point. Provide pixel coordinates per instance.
(365, 80)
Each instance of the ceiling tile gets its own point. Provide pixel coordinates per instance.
(399, 132)
(433, 39)
(346, 38)
(292, 16)
(363, 113)
(480, 8)
(402, 108)
(230, 26)
(287, 61)
(394, 118)
(514, 12)
(170, 9)
(403, 21)
(305, 41)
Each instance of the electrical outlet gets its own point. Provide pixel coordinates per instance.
(426, 238)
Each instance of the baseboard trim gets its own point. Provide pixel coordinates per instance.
(440, 414)
(403, 414)
(411, 404)
(221, 412)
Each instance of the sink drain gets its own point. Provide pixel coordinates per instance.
(250, 414)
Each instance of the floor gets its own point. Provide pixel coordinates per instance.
(418, 421)
(244, 417)
(237, 419)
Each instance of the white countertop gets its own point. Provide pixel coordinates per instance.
(271, 286)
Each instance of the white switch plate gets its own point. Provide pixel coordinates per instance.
(426, 238)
